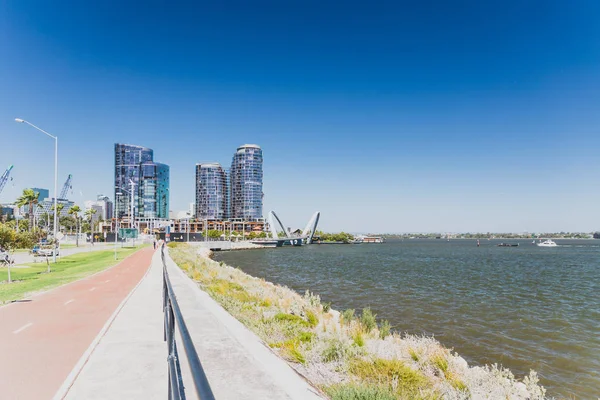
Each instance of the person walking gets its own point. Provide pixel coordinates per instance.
(154, 243)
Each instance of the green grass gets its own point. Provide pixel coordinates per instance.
(66, 269)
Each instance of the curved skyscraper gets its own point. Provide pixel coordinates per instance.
(246, 180)
(151, 183)
(211, 191)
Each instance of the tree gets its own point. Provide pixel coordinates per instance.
(90, 214)
(59, 208)
(214, 234)
(29, 197)
(74, 211)
(67, 222)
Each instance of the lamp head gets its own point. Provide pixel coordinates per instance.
(19, 120)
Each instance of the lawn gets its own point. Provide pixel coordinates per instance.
(67, 269)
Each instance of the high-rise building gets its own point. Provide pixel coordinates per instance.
(151, 183)
(246, 183)
(162, 190)
(211, 191)
(107, 206)
(105, 210)
(43, 193)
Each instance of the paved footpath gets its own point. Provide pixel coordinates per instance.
(130, 361)
(42, 340)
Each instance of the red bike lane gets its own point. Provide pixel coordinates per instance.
(43, 339)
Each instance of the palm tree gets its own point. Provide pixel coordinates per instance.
(74, 211)
(29, 197)
(59, 208)
(90, 214)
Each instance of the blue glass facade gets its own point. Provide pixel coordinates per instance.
(162, 190)
(151, 183)
(246, 183)
(211, 192)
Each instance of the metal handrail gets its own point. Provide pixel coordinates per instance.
(174, 317)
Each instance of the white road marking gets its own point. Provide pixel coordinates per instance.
(70, 301)
(23, 328)
(92, 289)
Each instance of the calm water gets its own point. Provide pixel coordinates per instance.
(523, 307)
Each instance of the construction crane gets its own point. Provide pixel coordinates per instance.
(4, 178)
(65, 189)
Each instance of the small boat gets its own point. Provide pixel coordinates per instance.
(508, 245)
(371, 239)
(547, 243)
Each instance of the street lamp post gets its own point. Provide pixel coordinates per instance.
(116, 223)
(55, 180)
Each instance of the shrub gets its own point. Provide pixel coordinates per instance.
(326, 307)
(358, 338)
(367, 319)
(385, 329)
(312, 319)
(290, 318)
(335, 351)
(440, 362)
(313, 299)
(291, 351)
(266, 303)
(348, 315)
(413, 354)
(402, 379)
(359, 392)
(305, 337)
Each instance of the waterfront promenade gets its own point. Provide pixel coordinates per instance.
(42, 339)
(130, 361)
(102, 337)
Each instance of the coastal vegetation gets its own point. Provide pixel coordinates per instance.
(348, 355)
(491, 235)
(342, 237)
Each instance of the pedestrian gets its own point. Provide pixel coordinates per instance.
(154, 243)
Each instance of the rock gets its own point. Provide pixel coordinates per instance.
(521, 390)
(461, 362)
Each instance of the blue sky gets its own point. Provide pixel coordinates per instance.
(385, 116)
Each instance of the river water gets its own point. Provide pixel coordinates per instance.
(524, 307)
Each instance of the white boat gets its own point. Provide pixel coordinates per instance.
(547, 243)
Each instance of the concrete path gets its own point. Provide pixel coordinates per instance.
(237, 363)
(130, 361)
(42, 340)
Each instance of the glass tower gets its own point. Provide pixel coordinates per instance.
(151, 183)
(162, 190)
(246, 181)
(211, 191)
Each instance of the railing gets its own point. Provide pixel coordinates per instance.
(173, 317)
